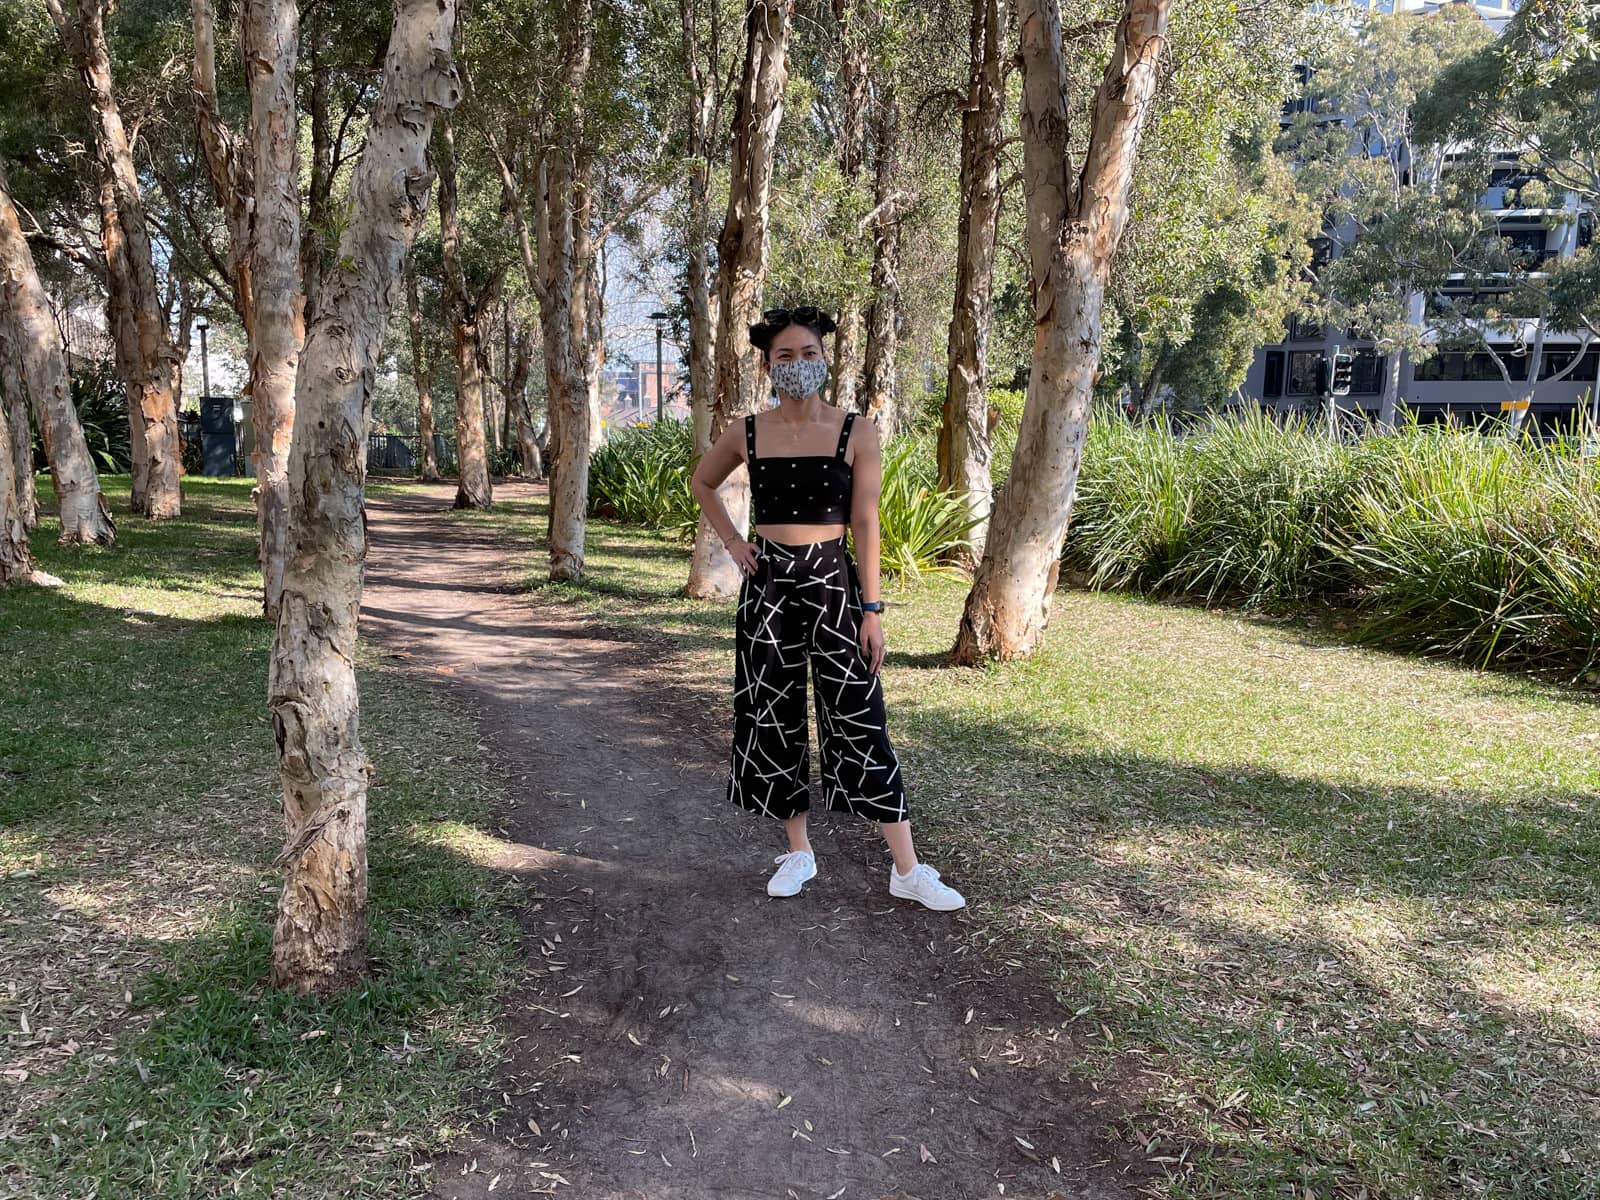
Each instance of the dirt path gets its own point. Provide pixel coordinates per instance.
(678, 1034)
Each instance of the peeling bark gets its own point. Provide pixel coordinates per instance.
(33, 347)
(741, 273)
(702, 122)
(1075, 220)
(319, 941)
(14, 394)
(16, 556)
(852, 153)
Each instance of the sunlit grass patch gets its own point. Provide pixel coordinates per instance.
(139, 817)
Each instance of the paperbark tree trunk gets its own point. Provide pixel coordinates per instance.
(319, 189)
(563, 304)
(702, 122)
(319, 942)
(33, 348)
(474, 489)
(422, 376)
(741, 273)
(517, 403)
(14, 395)
(16, 556)
(878, 392)
(156, 376)
(965, 455)
(852, 151)
(1075, 220)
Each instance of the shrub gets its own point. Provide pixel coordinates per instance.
(920, 526)
(641, 476)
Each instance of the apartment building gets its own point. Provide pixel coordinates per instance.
(1519, 360)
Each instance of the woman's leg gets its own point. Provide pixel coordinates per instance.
(795, 827)
(898, 835)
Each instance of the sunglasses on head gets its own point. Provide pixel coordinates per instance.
(806, 314)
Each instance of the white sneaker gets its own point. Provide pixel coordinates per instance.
(795, 868)
(923, 886)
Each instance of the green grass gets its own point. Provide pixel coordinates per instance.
(1330, 915)
(139, 816)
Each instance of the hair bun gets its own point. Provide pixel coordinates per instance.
(827, 324)
(761, 336)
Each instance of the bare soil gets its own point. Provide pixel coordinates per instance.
(678, 1034)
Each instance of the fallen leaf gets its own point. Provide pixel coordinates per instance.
(925, 1154)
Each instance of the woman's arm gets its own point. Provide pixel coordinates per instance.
(715, 465)
(866, 486)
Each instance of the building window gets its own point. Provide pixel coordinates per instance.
(1454, 366)
(1555, 361)
(1367, 373)
(1303, 329)
(1302, 379)
(1272, 378)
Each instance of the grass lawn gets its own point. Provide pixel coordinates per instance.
(144, 1054)
(1335, 912)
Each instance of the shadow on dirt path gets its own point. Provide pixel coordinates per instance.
(678, 1035)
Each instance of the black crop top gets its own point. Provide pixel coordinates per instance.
(812, 489)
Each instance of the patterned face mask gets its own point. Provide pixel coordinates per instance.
(800, 377)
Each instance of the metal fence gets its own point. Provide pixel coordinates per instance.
(395, 452)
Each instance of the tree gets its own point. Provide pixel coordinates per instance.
(257, 185)
(964, 454)
(14, 396)
(151, 364)
(32, 345)
(16, 556)
(703, 138)
(854, 61)
(422, 376)
(1075, 219)
(1397, 227)
(878, 373)
(741, 272)
(475, 490)
(319, 941)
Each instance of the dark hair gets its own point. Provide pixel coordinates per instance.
(776, 320)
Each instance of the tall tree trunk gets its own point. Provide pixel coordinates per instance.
(125, 347)
(422, 376)
(965, 455)
(228, 161)
(878, 394)
(1075, 220)
(741, 273)
(592, 260)
(157, 374)
(16, 556)
(852, 151)
(517, 402)
(563, 304)
(319, 191)
(14, 395)
(33, 348)
(472, 457)
(319, 943)
(702, 122)
(270, 44)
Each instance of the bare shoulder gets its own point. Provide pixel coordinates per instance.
(863, 438)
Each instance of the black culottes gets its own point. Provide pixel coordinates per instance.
(802, 607)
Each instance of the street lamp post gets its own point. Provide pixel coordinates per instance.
(205, 370)
(661, 396)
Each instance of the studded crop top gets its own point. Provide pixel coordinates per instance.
(812, 489)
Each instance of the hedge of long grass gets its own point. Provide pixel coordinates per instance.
(641, 477)
(1445, 541)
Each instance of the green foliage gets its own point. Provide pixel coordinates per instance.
(1448, 542)
(642, 475)
(919, 525)
(102, 405)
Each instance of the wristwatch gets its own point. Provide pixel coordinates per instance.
(872, 606)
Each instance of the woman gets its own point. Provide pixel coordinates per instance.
(813, 469)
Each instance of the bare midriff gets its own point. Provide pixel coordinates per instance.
(799, 535)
